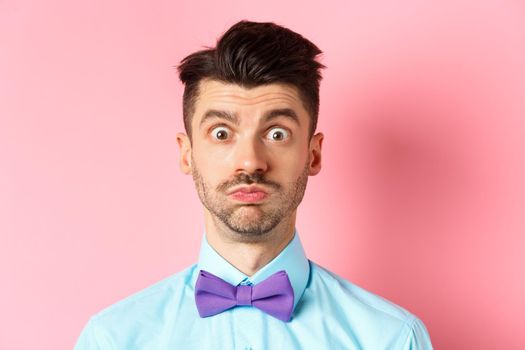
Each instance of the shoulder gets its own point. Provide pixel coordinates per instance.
(148, 300)
(136, 318)
(344, 306)
(355, 296)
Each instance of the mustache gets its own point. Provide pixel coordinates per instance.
(248, 179)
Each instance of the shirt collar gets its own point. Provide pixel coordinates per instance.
(292, 259)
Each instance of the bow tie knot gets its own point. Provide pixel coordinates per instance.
(244, 295)
(274, 295)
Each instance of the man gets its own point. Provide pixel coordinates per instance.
(250, 110)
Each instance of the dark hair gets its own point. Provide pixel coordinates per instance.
(251, 54)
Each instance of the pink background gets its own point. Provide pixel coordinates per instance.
(421, 198)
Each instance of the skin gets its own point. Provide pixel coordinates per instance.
(274, 154)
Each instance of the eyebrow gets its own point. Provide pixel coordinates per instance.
(233, 118)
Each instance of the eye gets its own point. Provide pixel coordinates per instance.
(220, 133)
(278, 134)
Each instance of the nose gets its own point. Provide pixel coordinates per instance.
(250, 156)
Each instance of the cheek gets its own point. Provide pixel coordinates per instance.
(210, 162)
(289, 165)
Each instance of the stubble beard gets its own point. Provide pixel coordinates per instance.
(251, 220)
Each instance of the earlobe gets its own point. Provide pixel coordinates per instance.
(316, 144)
(185, 153)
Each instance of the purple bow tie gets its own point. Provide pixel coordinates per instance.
(274, 295)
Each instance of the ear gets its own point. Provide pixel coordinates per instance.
(316, 144)
(185, 153)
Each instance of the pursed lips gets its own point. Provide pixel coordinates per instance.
(248, 193)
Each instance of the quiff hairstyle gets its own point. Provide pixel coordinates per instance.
(251, 54)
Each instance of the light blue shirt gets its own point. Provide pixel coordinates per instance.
(329, 313)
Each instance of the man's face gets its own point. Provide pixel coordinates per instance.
(250, 154)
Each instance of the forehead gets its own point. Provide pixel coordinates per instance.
(233, 97)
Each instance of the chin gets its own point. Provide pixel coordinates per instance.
(253, 227)
(250, 232)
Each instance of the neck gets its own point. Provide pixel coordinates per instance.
(248, 254)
